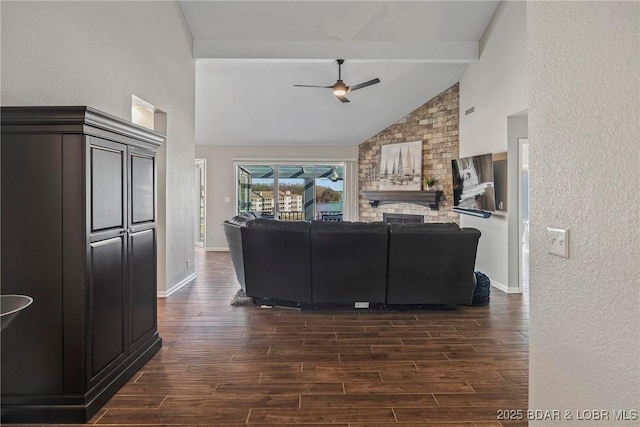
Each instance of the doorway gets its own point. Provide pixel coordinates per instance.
(201, 205)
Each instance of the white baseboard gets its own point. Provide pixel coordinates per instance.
(177, 286)
(217, 249)
(504, 288)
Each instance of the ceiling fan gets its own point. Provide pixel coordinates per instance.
(339, 88)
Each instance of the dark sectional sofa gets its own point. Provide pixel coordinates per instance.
(317, 262)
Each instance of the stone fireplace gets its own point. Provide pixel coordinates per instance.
(436, 125)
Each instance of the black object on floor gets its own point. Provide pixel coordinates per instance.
(481, 294)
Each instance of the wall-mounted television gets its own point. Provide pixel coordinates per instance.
(473, 185)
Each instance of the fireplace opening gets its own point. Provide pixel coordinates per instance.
(392, 218)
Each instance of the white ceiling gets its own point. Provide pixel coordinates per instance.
(249, 54)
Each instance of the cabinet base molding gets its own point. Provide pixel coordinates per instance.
(75, 408)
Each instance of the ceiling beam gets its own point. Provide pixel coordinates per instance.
(414, 52)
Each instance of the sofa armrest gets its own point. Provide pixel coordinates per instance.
(431, 267)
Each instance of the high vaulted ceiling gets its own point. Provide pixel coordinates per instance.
(251, 53)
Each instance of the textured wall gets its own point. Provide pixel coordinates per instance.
(99, 54)
(436, 125)
(584, 131)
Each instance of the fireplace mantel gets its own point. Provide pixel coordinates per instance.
(429, 199)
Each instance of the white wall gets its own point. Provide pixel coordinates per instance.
(584, 131)
(497, 86)
(99, 54)
(221, 178)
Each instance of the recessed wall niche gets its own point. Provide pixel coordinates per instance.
(436, 124)
(147, 115)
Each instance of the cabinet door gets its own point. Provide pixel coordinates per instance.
(107, 287)
(143, 191)
(142, 246)
(143, 288)
(107, 189)
(107, 221)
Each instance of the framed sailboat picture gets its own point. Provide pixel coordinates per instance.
(401, 166)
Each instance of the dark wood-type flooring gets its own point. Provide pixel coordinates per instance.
(224, 365)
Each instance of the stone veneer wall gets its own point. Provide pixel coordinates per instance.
(436, 124)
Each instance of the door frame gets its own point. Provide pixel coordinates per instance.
(521, 267)
(200, 180)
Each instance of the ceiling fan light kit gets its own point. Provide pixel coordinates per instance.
(340, 89)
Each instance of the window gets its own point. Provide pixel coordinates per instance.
(292, 192)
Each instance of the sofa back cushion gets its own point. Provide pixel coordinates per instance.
(348, 261)
(277, 262)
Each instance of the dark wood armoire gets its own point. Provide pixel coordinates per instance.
(78, 235)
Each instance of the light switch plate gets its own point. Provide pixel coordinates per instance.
(227, 199)
(558, 241)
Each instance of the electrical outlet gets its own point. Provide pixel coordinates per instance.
(227, 199)
(558, 240)
(361, 304)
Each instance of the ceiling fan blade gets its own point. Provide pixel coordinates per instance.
(325, 87)
(342, 98)
(365, 84)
